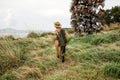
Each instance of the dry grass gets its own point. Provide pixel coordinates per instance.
(26, 72)
(112, 26)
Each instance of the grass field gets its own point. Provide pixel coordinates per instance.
(94, 57)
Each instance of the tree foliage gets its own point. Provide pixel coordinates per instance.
(87, 16)
(112, 15)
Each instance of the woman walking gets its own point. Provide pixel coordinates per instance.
(60, 41)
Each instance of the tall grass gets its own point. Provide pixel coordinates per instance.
(112, 70)
(86, 58)
(100, 55)
(98, 39)
(14, 53)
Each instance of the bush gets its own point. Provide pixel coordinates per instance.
(70, 31)
(1, 38)
(112, 15)
(10, 37)
(112, 70)
(33, 35)
(46, 33)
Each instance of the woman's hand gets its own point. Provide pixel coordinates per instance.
(56, 32)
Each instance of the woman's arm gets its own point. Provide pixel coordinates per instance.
(56, 35)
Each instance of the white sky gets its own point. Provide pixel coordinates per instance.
(38, 14)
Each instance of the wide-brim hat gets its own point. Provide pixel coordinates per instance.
(57, 24)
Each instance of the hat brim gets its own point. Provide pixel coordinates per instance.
(58, 26)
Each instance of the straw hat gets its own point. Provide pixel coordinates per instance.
(57, 24)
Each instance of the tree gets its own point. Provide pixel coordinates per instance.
(112, 15)
(87, 16)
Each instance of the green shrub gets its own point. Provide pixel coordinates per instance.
(10, 37)
(112, 12)
(46, 33)
(33, 35)
(1, 38)
(70, 31)
(112, 70)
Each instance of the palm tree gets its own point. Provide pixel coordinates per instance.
(87, 16)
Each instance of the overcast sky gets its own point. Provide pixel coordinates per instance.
(38, 14)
